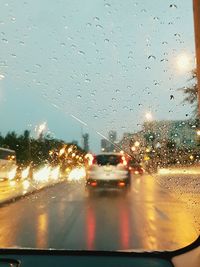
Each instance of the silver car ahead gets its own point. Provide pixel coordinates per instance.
(109, 170)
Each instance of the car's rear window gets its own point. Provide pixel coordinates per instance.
(107, 159)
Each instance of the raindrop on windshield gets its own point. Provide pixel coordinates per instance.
(151, 57)
(99, 26)
(107, 5)
(5, 40)
(96, 18)
(173, 6)
(81, 52)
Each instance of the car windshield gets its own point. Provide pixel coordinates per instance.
(99, 82)
(107, 160)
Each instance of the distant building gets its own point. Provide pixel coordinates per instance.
(105, 145)
(85, 142)
(132, 143)
(109, 145)
(112, 136)
(158, 134)
(182, 132)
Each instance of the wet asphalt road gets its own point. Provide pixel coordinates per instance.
(151, 217)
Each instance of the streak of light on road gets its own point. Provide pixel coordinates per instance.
(179, 171)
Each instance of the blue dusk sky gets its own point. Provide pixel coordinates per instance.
(93, 65)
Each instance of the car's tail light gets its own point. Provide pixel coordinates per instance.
(123, 161)
(121, 184)
(91, 159)
(93, 183)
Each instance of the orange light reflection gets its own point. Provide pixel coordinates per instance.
(42, 231)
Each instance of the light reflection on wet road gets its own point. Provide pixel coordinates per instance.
(65, 217)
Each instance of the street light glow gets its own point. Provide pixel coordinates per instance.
(184, 62)
(42, 127)
(149, 116)
(133, 148)
(137, 143)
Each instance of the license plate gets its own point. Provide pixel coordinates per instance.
(107, 169)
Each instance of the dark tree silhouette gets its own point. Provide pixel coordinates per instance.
(191, 92)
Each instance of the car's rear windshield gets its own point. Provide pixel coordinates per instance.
(107, 159)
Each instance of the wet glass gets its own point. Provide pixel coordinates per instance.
(83, 78)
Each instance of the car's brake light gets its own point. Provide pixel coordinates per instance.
(90, 158)
(94, 160)
(93, 183)
(123, 161)
(121, 184)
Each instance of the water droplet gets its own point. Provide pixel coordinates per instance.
(2, 76)
(117, 90)
(99, 26)
(78, 96)
(151, 57)
(177, 34)
(4, 40)
(107, 5)
(21, 43)
(89, 24)
(164, 60)
(81, 52)
(106, 40)
(87, 80)
(173, 6)
(96, 18)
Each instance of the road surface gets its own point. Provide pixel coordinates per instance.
(153, 216)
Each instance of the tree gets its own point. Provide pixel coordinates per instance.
(191, 92)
